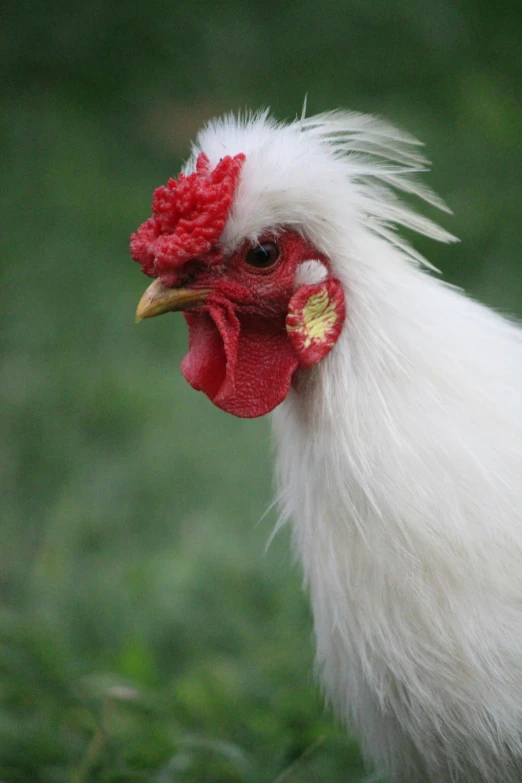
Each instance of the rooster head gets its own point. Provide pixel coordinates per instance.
(257, 309)
(256, 239)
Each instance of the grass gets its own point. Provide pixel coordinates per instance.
(145, 635)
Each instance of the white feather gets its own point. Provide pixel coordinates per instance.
(400, 458)
(310, 272)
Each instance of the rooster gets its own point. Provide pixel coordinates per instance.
(397, 410)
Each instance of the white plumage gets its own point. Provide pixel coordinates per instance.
(399, 456)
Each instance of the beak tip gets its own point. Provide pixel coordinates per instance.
(141, 311)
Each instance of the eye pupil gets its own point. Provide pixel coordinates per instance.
(263, 255)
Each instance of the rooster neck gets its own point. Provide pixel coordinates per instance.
(399, 470)
(391, 444)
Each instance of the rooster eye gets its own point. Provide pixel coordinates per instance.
(262, 256)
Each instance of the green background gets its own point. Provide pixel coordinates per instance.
(146, 635)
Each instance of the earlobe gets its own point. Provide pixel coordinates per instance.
(315, 319)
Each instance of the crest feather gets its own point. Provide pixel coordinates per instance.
(338, 169)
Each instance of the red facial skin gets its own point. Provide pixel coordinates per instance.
(240, 354)
(253, 331)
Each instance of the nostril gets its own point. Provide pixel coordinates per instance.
(191, 271)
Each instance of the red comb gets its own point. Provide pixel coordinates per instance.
(188, 217)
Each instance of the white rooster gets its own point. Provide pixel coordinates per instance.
(398, 418)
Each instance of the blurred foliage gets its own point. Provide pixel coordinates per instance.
(144, 634)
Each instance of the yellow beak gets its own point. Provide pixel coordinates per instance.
(159, 299)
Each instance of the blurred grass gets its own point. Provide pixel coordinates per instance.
(144, 633)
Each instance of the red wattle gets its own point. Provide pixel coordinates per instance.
(244, 363)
